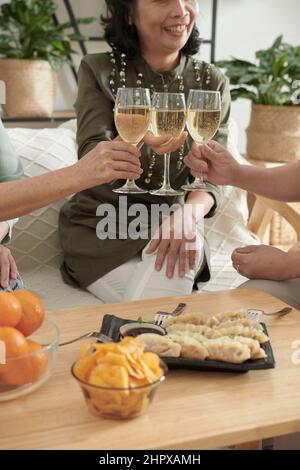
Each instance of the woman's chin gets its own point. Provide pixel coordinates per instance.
(175, 45)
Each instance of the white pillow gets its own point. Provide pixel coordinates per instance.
(227, 230)
(35, 243)
(35, 240)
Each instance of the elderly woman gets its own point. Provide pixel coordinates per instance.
(152, 47)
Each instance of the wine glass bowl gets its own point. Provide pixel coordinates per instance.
(203, 121)
(132, 119)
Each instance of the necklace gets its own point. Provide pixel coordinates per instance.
(202, 76)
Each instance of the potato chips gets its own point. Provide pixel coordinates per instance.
(127, 377)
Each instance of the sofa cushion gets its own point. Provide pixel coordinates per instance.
(227, 230)
(35, 242)
(36, 245)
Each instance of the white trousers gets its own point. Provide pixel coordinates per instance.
(138, 279)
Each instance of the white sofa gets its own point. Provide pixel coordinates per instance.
(35, 244)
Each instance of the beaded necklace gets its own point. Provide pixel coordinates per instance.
(200, 81)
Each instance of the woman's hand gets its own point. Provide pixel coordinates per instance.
(110, 160)
(165, 143)
(262, 262)
(8, 267)
(175, 239)
(213, 162)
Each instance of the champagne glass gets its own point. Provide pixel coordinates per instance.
(168, 116)
(132, 119)
(203, 121)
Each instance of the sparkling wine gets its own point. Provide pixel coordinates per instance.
(168, 121)
(203, 124)
(132, 122)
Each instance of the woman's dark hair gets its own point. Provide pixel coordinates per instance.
(125, 38)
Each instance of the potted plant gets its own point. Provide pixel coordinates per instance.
(272, 84)
(32, 48)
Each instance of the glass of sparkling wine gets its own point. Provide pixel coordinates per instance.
(203, 121)
(168, 116)
(132, 119)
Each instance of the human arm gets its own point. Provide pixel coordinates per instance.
(107, 162)
(169, 246)
(266, 262)
(220, 167)
(8, 268)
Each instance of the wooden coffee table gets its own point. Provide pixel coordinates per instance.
(192, 410)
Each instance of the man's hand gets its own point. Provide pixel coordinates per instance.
(213, 162)
(8, 267)
(262, 262)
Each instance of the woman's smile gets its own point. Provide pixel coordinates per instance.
(178, 30)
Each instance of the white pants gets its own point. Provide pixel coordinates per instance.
(138, 279)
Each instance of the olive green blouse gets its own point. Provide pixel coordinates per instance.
(88, 258)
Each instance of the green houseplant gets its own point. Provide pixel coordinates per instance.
(32, 48)
(272, 83)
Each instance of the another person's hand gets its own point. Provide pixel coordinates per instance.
(173, 242)
(165, 143)
(110, 160)
(213, 162)
(261, 262)
(8, 267)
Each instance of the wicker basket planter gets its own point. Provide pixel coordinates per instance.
(30, 88)
(274, 133)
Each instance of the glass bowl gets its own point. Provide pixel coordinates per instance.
(119, 403)
(137, 328)
(22, 375)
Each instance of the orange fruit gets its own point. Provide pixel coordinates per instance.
(33, 312)
(15, 345)
(28, 369)
(10, 309)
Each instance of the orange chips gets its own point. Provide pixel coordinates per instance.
(118, 368)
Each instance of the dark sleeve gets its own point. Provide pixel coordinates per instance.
(94, 110)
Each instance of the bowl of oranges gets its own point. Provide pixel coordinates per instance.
(118, 380)
(28, 344)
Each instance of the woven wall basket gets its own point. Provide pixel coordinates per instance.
(30, 88)
(274, 133)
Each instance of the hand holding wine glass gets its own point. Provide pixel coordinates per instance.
(164, 143)
(168, 117)
(203, 120)
(215, 162)
(132, 119)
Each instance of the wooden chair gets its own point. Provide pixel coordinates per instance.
(262, 210)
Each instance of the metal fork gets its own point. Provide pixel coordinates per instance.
(161, 317)
(92, 334)
(256, 314)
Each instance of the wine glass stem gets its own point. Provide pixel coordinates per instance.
(166, 184)
(130, 183)
(199, 179)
